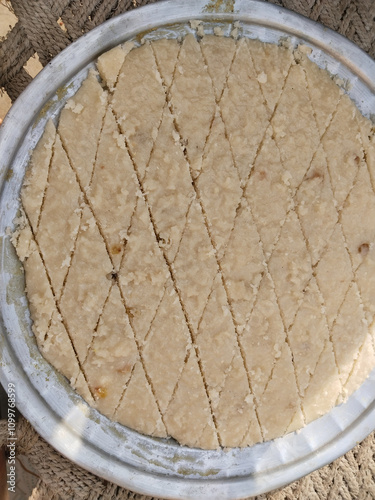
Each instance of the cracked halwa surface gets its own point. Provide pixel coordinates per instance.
(199, 240)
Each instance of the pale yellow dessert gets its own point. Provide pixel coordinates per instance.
(199, 240)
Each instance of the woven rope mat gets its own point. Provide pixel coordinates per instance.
(44, 28)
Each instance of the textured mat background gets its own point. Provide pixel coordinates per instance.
(32, 32)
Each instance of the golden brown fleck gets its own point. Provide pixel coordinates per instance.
(363, 249)
(314, 175)
(262, 175)
(116, 249)
(126, 368)
(100, 392)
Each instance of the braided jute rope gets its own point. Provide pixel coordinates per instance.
(38, 31)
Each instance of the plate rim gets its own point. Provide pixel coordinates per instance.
(253, 9)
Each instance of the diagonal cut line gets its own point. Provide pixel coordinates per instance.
(356, 361)
(164, 106)
(239, 343)
(245, 183)
(196, 189)
(124, 391)
(291, 351)
(206, 304)
(293, 194)
(178, 380)
(286, 331)
(98, 145)
(337, 316)
(46, 336)
(327, 341)
(243, 187)
(46, 185)
(97, 325)
(58, 308)
(71, 259)
(373, 191)
(128, 229)
(88, 203)
(199, 437)
(220, 110)
(339, 214)
(307, 246)
(169, 264)
(167, 88)
(354, 271)
(153, 319)
(172, 276)
(183, 231)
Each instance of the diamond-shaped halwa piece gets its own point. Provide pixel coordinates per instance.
(58, 350)
(268, 193)
(84, 111)
(60, 218)
(218, 53)
(308, 335)
(166, 346)
(35, 180)
(138, 409)
(223, 368)
(219, 188)
(243, 274)
(316, 208)
(343, 148)
(272, 63)
(112, 355)
(166, 52)
(281, 392)
(143, 272)
(263, 337)
(109, 64)
(39, 293)
(236, 408)
(294, 127)
(192, 95)
(168, 186)
(138, 103)
(87, 285)
(334, 267)
(324, 93)
(113, 188)
(195, 266)
(189, 411)
(324, 386)
(242, 98)
(290, 268)
(349, 332)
